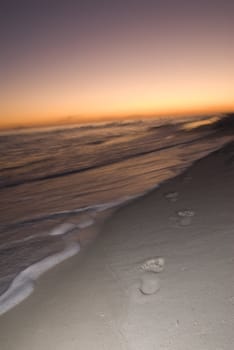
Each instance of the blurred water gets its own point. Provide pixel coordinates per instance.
(51, 176)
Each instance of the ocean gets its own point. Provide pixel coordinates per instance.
(56, 182)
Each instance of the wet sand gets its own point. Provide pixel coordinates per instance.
(95, 300)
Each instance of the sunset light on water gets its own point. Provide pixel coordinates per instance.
(116, 174)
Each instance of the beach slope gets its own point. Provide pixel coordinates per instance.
(112, 296)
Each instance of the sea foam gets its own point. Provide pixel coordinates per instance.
(23, 284)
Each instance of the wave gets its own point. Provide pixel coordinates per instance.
(23, 284)
(140, 153)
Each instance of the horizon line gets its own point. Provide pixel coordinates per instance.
(70, 120)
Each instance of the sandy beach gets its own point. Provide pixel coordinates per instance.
(110, 297)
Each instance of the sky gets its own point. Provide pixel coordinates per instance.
(90, 59)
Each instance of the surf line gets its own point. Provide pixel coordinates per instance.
(24, 283)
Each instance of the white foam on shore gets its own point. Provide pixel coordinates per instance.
(92, 208)
(68, 227)
(116, 203)
(62, 229)
(23, 284)
(87, 223)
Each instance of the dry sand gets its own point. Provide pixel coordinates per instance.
(94, 301)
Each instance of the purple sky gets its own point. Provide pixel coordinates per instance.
(83, 58)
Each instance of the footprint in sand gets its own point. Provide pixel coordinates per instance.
(155, 265)
(172, 196)
(187, 178)
(185, 217)
(149, 284)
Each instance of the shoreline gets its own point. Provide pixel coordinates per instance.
(84, 237)
(23, 284)
(76, 237)
(92, 301)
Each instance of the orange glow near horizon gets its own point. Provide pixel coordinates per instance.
(118, 92)
(98, 67)
(134, 99)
